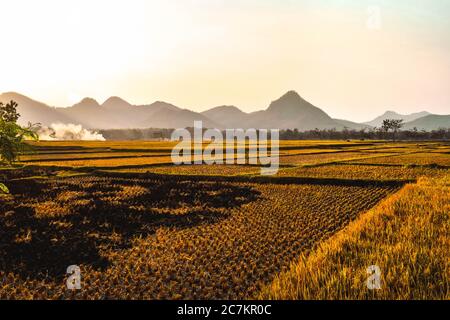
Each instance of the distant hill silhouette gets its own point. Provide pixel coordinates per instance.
(352, 125)
(227, 116)
(114, 113)
(378, 121)
(430, 122)
(34, 111)
(290, 111)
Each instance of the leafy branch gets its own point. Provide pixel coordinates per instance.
(12, 135)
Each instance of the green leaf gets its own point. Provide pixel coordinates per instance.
(3, 188)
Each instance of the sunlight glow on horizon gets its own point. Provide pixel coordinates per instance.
(198, 54)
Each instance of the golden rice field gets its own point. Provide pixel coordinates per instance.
(84, 156)
(140, 227)
(107, 162)
(207, 170)
(166, 238)
(308, 159)
(406, 235)
(361, 172)
(420, 159)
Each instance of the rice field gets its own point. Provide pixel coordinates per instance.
(85, 156)
(106, 162)
(167, 238)
(358, 172)
(412, 159)
(207, 170)
(309, 159)
(140, 227)
(406, 236)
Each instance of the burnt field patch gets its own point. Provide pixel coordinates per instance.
(48, 223)
(165, 237)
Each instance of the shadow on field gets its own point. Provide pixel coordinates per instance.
(49, 224)
(258, 179)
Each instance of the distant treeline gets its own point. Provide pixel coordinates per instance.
(365, 134)
(324, 134)
(136, 134)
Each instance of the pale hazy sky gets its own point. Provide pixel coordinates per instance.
(199, 54)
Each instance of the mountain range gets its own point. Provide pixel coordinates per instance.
(288, 112)
(378, 121)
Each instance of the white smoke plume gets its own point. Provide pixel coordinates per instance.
(61, 131)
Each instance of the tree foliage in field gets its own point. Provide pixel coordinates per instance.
(12, 135)
(393, 125)
(295, 134)
(413, 134)
(9, 112)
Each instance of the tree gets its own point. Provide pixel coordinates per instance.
(9, 112)
(12, 135)
(392, 124)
